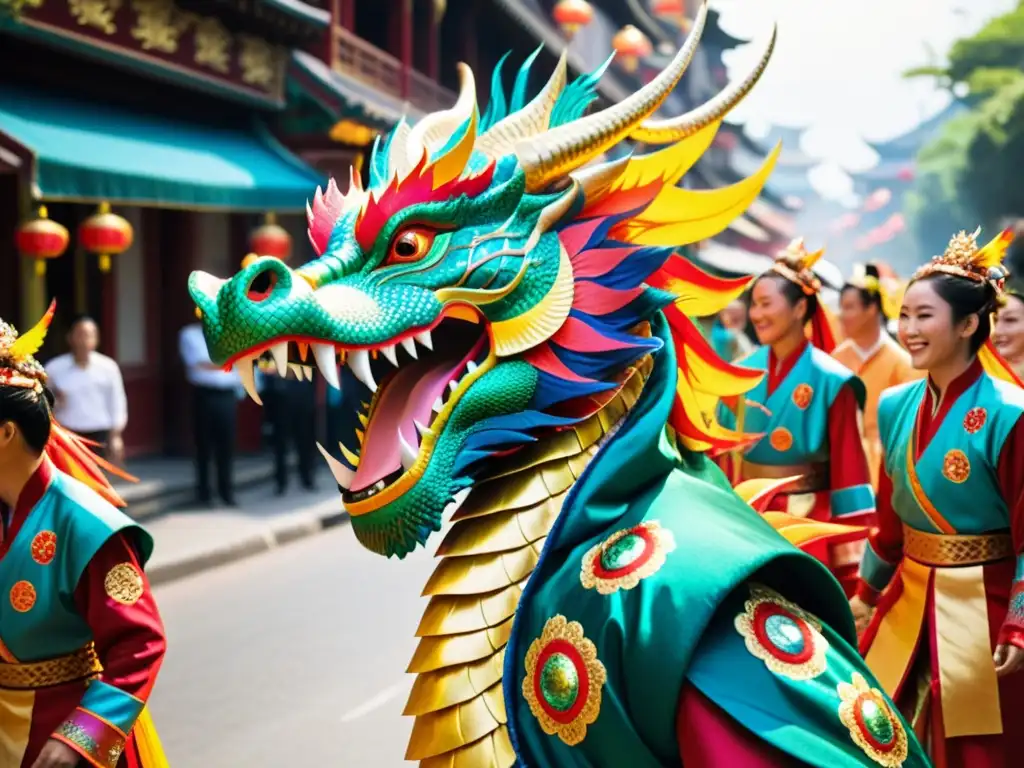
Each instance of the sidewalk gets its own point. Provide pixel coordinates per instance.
(192, 540)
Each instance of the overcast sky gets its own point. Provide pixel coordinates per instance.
(837, 70)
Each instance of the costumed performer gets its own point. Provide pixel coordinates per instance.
(947, 638)
(1008, 332)
(805, 408)
(81, 640)
(866, 304)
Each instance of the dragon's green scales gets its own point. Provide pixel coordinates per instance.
(507, 316)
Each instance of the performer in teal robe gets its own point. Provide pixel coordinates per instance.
(806, 409)
(947, 639)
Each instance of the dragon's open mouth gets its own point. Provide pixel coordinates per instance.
(413, 382)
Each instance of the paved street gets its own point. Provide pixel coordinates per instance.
(293, 657)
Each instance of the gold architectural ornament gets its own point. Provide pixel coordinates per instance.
(213, 45)
(123, 584)
(95, 13)
(17, 6)
(352, 132)
(158, 25)
(257, 61)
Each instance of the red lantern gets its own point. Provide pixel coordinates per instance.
(905, 174)
(41, 239)
(105, 234)
(670, 11)
(271, 239)
(570, 15)
(631, 45)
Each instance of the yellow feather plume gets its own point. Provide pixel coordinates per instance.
(993, 253)
(30, 342)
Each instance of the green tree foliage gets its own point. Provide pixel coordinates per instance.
(971, 173)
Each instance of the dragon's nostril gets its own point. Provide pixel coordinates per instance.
(261, 285)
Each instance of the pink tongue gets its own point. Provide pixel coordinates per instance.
(409, 396)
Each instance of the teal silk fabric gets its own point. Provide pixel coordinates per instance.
(80, 522)
(646, 636)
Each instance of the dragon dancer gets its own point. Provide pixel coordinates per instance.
(945, 566)
(81, 639)
(806, 410)
(514, 335)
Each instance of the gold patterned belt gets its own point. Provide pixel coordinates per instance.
(947, 550)
(813, 477)
(80, 665)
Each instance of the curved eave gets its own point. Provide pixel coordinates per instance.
(315, 17)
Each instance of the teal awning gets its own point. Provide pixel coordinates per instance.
(87, 152)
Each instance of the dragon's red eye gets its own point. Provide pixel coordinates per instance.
(411, 244)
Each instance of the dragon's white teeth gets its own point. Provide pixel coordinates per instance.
(471, 367)
(342, 474)
(438, 404)
(280, 354)
(247, 373)
(424, 339)
(327, 362)
(407, 452)
(453, 385)
(424, 431)
(410, 346)
(359, 361)
(296, 369)
(389, 353)
(307, 371)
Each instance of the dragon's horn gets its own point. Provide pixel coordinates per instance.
(32, 340)
(674, 129)
(434, 130)
(557, 152)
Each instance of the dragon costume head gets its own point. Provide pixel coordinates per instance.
(493, 284)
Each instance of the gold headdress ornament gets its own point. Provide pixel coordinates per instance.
(963, 258)
(796, 263)
(18, 365)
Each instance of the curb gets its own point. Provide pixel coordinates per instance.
(271, 537)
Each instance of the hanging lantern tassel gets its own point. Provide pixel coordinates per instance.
(41, 239)
(106, 234)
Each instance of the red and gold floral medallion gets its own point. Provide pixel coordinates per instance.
(23, 596)
(956, 467)
(787, 639)
(975, 420)
(626, 557)
(802, 396)
(781, 439)
(872, 724)
(44, 547)
(563, 680)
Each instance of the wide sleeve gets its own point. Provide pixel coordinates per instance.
(776, 684)
(115, 598)
(1011, 483)
(884, 549)
(852, 498)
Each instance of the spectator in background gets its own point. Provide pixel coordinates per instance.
(214, 409)
(728, 334)
(291, 404)
(89, 390)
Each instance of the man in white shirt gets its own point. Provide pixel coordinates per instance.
(89, 390)
(214, 409)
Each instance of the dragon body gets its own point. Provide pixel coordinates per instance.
(507, 316)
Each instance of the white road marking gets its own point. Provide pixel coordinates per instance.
(376, 702)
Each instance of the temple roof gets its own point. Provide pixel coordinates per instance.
(906, 145)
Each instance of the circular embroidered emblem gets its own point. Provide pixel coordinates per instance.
(802, 396)
(44, 547)
(563, 680)
(781, 439)
(626, 557)
(955, 466)
(975, 420)
(23, 596)
(871, 722)
(123, 584)
(787, 639)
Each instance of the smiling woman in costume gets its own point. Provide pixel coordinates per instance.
(1008, 332)
(871, 353)
(947, 640)
(81, 640)
(806, 408)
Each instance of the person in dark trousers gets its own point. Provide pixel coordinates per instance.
(291, 403)
(215, 406)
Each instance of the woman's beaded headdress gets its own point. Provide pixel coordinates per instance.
(963, 258)
(18, 365)
(796, 263)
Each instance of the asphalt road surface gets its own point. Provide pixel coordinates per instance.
(290, 659)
